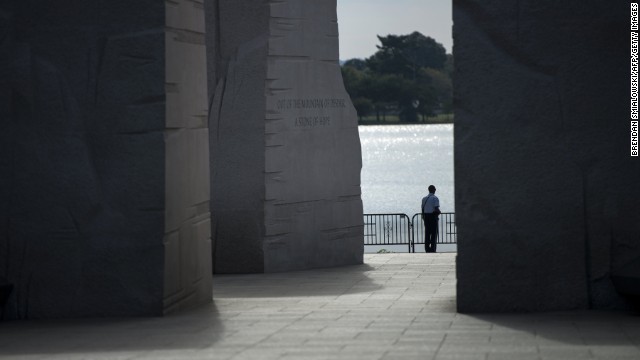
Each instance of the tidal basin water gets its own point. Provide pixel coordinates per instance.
(399, 162)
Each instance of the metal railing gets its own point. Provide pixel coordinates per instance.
(387, 229)
(446, 229)
(399, 229)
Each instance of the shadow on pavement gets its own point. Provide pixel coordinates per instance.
(199, 327)
(318, 282)
(574, 328)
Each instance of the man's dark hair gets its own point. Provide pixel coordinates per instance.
(432, 189)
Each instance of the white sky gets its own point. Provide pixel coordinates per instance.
(360, 21)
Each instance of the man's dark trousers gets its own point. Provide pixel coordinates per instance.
(430, 232)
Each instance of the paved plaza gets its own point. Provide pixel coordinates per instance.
(395, 306)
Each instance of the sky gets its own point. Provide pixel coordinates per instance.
(360, 21)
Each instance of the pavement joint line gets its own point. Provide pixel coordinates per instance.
(435, 355)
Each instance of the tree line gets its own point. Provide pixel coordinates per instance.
(409, 77)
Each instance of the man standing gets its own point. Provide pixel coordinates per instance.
(430, 212)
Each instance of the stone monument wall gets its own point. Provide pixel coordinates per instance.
(238, 31)
(103, 154)
(285, 148)
(546, 191)
(187, 239)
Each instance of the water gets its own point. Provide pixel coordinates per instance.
(399, 162)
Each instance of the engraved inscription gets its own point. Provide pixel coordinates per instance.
(311, 111)
(312, 121)
(288, 104)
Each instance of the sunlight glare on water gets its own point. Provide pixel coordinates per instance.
(400, 161)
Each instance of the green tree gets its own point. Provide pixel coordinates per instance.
(352, 79)
(441, 83)
(406, 54)
(363, 106)
(357, 64)
(409, 75)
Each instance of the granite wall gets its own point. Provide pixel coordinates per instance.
(103, 157)
(546, 191)
(187, 238)
(285, 151)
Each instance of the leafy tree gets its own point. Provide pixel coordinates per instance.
(409, 75)
(385, 92)
(406, 54)
(442, 85)
(357, 64)
(353, 79)
(363, 106)
(448, 65)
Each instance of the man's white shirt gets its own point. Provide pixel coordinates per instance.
(429, 203)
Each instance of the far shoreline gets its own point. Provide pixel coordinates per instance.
(405, 123)
(434, 120)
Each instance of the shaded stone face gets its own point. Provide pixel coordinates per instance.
(546, 193)
(71, 230)
(95, 155)
(5, 26)
(297, 203)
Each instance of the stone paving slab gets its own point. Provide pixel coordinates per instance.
(395, 306)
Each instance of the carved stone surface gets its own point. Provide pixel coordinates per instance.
(187, 240)
(103, 154)
(546, 192)
(285, 149)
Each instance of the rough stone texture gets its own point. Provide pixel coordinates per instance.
(546, 192)
(187, 240)
(285, 149)
(90, 150)
(237, 129)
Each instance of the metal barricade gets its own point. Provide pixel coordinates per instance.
(446, 229)
(398, 229)
(387, 229)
